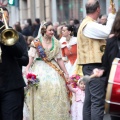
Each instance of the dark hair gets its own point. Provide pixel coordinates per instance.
(116, 25)
(4, 9)
(29, 21)
(70, 28)
(18, 27)
(44, 27)
(37, 20)
(100, 16)
(76, 21)
(92, 7)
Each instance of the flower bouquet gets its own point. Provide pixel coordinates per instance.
(32, 80)
(73, 82)
(74, 79)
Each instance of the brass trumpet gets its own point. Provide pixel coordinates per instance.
(8, 36)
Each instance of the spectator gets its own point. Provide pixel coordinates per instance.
(103, 19)
(76, 26)
(29, 40)
(36, 27)
(17, 27)
(56, 25)
(27, 30)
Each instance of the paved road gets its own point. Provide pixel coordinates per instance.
(107, 117)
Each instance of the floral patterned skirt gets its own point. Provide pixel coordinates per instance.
(50, 101)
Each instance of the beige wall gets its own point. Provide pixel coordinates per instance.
(35, 9)
(48, 10)
(23, 10)
(42, 9)
(30, 9)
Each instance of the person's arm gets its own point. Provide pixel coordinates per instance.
(32, 53)
(71, 88)
(98, 31)
(105, 61)
(62, 66)
(23, 61)
(64, 58)
(60, 62)
(29, 64)
(15, 50)
(63, 45)
(98, 72)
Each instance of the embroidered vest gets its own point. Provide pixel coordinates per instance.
(88, 50)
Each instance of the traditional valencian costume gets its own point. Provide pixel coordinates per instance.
(50, 101)
(69, 53)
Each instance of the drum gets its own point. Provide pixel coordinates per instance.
(112, 102)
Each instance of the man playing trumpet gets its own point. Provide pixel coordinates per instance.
(11, 80)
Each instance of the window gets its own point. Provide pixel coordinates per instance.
(69, 9)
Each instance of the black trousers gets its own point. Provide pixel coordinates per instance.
(93, 108)
(11, 104)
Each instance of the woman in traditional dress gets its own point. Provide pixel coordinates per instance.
(69, 48)
(50, 100)
(69, 52)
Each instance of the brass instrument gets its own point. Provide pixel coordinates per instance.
(8, 36)
(113, 6)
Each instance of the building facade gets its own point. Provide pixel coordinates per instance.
(53, 10)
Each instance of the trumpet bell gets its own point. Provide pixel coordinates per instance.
(9, 37)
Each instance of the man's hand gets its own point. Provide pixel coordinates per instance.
(112, 9)
(98, 72)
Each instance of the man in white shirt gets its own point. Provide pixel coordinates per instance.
(90, 48)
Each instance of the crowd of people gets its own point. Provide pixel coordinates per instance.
(50, 53)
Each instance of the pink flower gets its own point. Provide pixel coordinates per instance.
(77, 77)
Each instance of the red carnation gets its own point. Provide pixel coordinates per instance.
(31, 76)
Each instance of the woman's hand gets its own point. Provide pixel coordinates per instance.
(66, 76)
(26, 71)
(98, 72)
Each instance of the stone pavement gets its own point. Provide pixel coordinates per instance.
(107, 117)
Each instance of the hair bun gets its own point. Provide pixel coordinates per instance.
(43, 30)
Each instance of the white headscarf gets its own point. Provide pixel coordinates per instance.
(39, 32)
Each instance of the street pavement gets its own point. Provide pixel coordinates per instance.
(107, 117)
